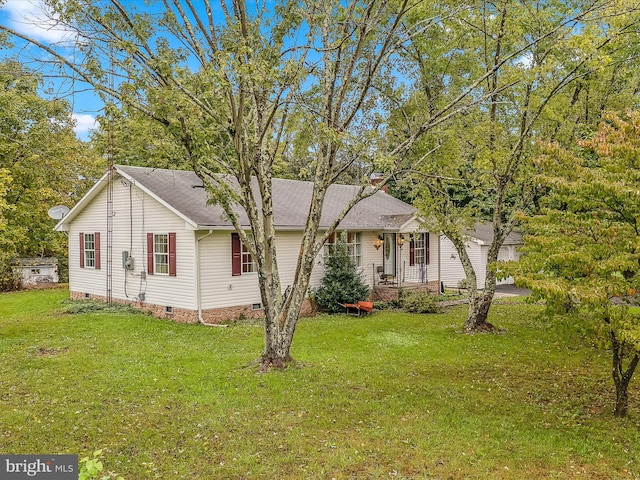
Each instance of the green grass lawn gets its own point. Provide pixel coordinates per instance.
(392, 395)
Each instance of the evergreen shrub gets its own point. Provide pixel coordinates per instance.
(342, 283)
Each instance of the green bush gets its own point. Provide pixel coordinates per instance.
(9, 276)
(390, 305)
(420, 302)
(341, 283)
(92, 306)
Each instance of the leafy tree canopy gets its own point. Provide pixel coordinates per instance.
(546, 69)
(42, 164)
(583, 249)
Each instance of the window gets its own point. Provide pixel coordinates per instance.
(247, 260)
(354, 245)
(419, 249)
(90, 250)
(161, 254)
(241, 259)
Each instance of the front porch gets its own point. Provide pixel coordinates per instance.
(405, 278)
(392, 293)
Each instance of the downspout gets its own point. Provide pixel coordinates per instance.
(198, 286)
(439, 264)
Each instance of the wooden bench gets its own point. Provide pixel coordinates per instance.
(360, 307)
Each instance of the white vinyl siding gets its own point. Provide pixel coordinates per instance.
(219, 287)
(451, 270)
(222, 289)
(507, 253)
(451, 267)
(136, 214)
(370, 257)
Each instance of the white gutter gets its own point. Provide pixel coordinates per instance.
(198, 286)
(439, 265)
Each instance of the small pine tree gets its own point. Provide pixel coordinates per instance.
(341, 283)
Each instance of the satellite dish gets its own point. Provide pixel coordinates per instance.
(58, 212)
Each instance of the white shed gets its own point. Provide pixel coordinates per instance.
(37, 271)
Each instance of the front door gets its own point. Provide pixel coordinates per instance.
(389, 254)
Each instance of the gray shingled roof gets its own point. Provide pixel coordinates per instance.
(183, 191)
(484, 231)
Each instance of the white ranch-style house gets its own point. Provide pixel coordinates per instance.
(178, 257)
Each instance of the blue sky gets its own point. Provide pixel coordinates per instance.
(28, 17)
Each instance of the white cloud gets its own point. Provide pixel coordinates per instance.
(31, 18)
(84, 123)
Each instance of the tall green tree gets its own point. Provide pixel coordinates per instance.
(134, 139)
(234, 84)
(42, 164)
(537, 62)
(583, 250)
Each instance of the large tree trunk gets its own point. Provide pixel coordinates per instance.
(478, 313)
(479, 306)
(479, 302)
(283, 312)
(621, 377)
(279, 329)
(276, 349)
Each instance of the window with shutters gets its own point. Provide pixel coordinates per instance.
(248, 265)
(419, 249)
(90, 250)
(161, 254)
(241, 259)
